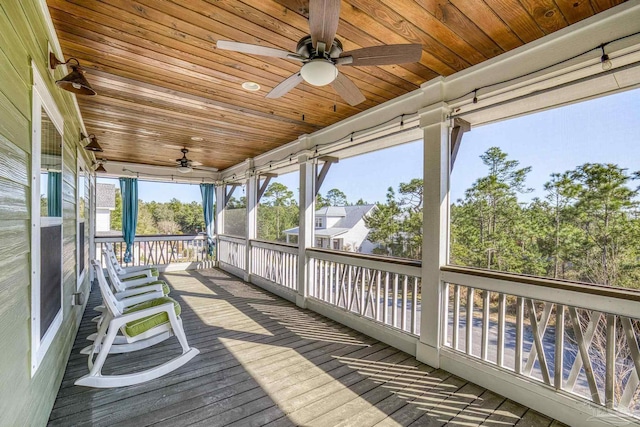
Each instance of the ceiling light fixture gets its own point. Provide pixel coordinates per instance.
(184, 169)
(75, 81)
(93, 143)
(251, 86)
(319, 72)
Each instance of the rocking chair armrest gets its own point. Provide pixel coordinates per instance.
(137, 299)
(138, 269)
(168, 308)
(137, 291)
(135, 273)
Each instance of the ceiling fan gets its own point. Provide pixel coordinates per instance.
(321, 53)
(185, 165)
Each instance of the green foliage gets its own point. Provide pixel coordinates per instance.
(116, 214)
(397, 224)
(585, 229)
(336, 197)
(278, 211)
(173, 217)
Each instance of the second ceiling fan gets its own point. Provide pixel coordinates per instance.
(321, 53)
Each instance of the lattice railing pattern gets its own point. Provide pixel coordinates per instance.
(384, 295)
(158, 250)
(587, 352)
(275, 263)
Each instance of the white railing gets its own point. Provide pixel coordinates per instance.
(232, 251)
(275, 262)
(577, 338)
(158, 250)
(386, 290)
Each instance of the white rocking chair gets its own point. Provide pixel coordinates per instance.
(126, 288)
(128, 272)
(130, 292)
(129, 329)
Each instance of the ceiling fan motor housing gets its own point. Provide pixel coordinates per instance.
(305, 48)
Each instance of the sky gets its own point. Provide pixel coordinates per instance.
(604, 130)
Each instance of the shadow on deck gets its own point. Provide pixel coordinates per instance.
(264, 361)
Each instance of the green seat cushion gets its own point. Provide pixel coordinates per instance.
(165, 287)
(141, 326)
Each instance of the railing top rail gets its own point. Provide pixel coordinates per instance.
(393, 265)
(368, 257)
(236, 239)
(147, 238)
(258, 243)
(580, 287)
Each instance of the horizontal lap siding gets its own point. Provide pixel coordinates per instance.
(25, 400)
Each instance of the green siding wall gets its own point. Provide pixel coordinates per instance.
(27, 401)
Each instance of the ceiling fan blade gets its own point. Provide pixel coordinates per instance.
(323, 21)
(383, 55)
(206, 168)
(255, 49)
(347, 90)
(195, 163)
(284, 87)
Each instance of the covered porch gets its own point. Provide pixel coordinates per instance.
(264, 361)
(292, 334)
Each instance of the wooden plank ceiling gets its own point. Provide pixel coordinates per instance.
(161, 80)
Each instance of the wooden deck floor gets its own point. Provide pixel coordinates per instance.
(264, 361)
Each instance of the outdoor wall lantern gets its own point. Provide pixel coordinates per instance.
(93, 143)
(74, 81)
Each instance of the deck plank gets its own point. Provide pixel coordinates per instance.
(264, 361)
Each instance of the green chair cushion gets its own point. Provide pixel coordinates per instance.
(140, 326)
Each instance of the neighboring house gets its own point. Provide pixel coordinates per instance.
(105, 203)
(340, 228)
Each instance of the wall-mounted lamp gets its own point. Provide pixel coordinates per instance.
(93, 143)
(100, 163)
(74, 81)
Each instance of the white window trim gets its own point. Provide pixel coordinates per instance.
(81, 165)
(41, 99)
(92, 221)
(319, 220)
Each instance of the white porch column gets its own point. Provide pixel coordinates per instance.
(218, 224)
(435, 225)
(305, 232)
(252, 216)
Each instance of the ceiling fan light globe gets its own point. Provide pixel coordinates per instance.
(184, 169)
(319, 72)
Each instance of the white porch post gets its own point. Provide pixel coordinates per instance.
(305, 231)
(252, 216)
(218, 224)
(435, 225)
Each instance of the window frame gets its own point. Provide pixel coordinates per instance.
(81, 168)
(42, 100)
(319, 222)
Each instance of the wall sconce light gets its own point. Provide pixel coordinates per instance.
(93, 143)
(74, 81)
(100, 163)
